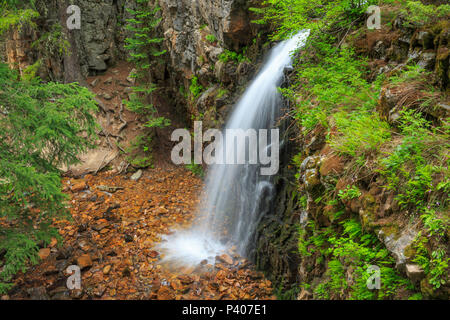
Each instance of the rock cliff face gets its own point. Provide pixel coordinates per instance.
(277, 235)
(195, 34)
(187, 23)
(100, 40)
(98, 44)
(16, 49)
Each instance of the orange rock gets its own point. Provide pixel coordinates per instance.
(221, 274)
(226, 258)
(107, 269)
(148, 212)
(164, 293)
(185, 279)
(44, 253)
(97, 277)
(79, 187)
(176, 285)
(84, 261)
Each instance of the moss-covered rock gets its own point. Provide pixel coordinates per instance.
(398, 243)
(442, 66)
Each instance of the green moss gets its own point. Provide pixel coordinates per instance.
(439, 29)
(426, 288)
(391, 230)
(221, 92)
(443, 56)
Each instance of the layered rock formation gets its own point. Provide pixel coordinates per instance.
(196, 33)
(185, 26)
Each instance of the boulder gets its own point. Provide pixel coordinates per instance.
(84, 261)
(398, 243)
(136, 176)
(427, 60)
(225, 258)
(414, 273)
(425, 39)
(92, 161)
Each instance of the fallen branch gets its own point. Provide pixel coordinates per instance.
(124, 123)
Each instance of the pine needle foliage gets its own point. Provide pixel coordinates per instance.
(144, 49)
(16, 13)
(42, 127)
(142, 44)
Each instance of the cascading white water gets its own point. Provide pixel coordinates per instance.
(237, 196)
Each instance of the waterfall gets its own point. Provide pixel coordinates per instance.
(237, 196)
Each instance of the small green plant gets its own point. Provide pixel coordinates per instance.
(321, 291)
(211, 38)
(408, 74)
(283, 293)
(195, 88)
(434, 225)
(438, 268)
(409, 169)
(336, 272)
(139, 152)
(351, 192)
(360, 133)
(222, 92)
(17, 14)
(303, 242)
(136, 104)
(196, 169)
(435, 265)
(349, 249)
(52, 43)
(228, 55)
(30, 72)
(416, 296)
(303, 201)
(416, 13)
